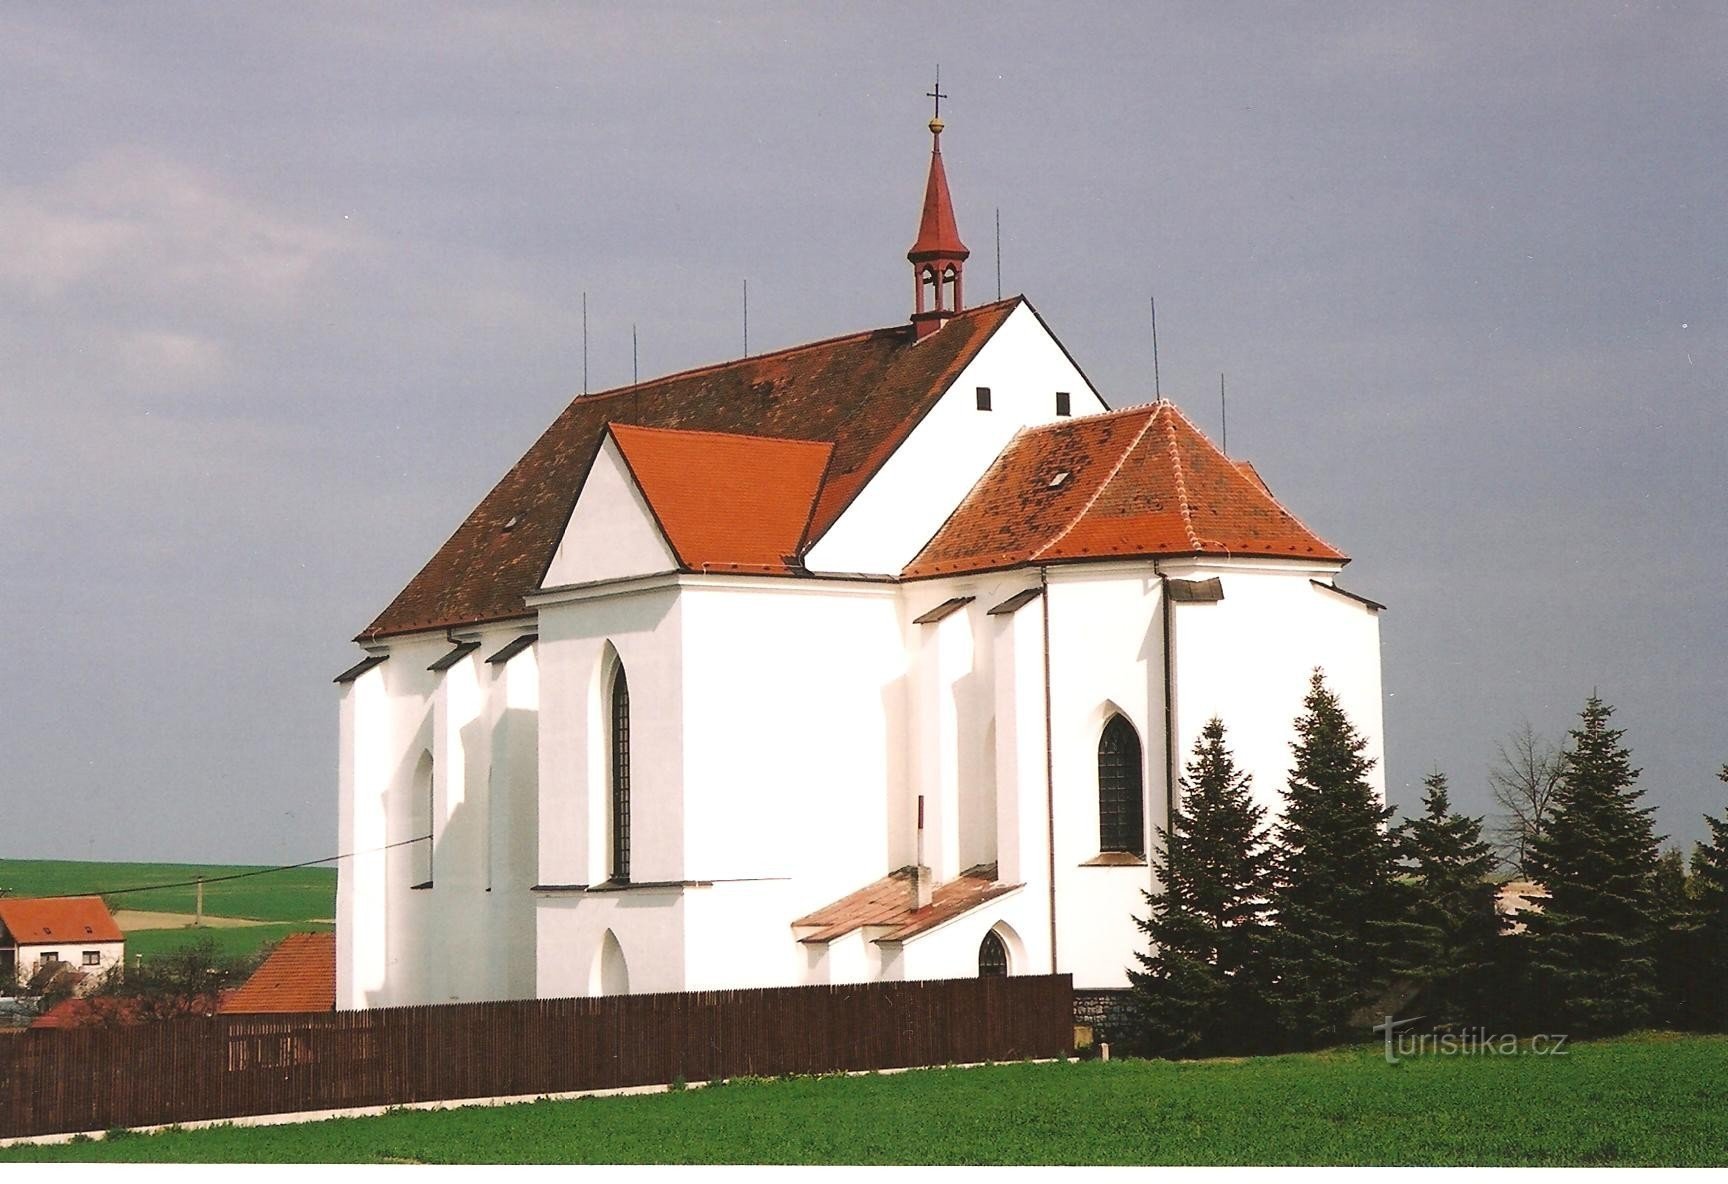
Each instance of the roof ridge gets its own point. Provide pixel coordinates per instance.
(1182, 485)
(642, 427)
(1102, 485)
(856, 335)
(1259, 484)
(1066, 422)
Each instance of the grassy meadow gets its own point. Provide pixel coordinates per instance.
(296, 901)
(1653, 1099)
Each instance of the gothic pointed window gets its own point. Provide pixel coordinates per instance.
(1121, 801)
(620, 747)
(992, 957)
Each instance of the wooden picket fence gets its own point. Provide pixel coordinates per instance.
(228, 1066)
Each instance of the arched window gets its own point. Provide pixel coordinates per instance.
(422, 807)
(1121, 802)
(620, 729)
(992, 957)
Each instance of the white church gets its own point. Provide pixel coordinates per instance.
(874, 658)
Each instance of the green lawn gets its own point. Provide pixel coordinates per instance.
(1652, 1099)
(303, 894)
(230, 943)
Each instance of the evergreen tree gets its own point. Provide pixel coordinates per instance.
(1592, 947)
(1334, 872)
(1445, 938)
(1200, 990)
(1709, 918)
(1675, 946)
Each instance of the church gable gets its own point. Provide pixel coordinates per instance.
(1021, 376)
(725, 502)
(612, 533)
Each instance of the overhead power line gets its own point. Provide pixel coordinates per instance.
(258, 871)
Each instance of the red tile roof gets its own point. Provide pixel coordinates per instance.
(49, 920)
(724, 502)
(888, 904)
(863, 394)
(1138, 482)
(107, 1011)
(299, 975)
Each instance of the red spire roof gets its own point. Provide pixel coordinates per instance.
(938, 235)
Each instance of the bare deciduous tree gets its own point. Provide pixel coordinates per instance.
(1523, 780)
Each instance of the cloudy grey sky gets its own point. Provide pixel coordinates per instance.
(285, 288)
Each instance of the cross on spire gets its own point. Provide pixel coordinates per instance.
(935, 92)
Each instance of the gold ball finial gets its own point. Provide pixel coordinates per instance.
(936, 126)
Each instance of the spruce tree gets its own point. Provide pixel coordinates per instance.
(1200, 990)
(1710, 924)
(1592, 945)
(1333, 878)
(1444, 940)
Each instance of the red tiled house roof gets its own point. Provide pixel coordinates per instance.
(109, 1011)
(59, 919)
(861, 394)
(1139, 482)
(299, 975)
(726, 503)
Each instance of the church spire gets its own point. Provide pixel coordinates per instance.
(938, 258)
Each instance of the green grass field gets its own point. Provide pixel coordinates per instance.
(230, 943)
(1650, 1100)
(303, 894)
(296, 901)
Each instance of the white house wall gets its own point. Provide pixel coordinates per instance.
(910, 497)
(109, 954)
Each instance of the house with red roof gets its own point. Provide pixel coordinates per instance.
(873, 658)
(74, 931)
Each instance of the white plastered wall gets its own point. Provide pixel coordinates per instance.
(641, 626)
(913, 493)
(612, 533)
(1248, 659)
(795, 760)
(468, 936)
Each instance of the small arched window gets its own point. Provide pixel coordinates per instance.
(620, 737)
(1121, 802)
(992, 957)
(422, 808)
